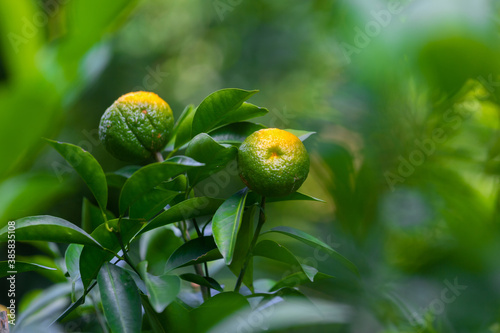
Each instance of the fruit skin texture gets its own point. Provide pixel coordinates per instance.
(137, 125)
(273, 162)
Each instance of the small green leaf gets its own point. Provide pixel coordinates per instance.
(162, 290)
(21, 267)
(48, 228)
(235, 133)
(146, 178)
(202, 281)
(217, 106)
(197, 250)
(120, 297)
(302, 135)
(187, 209)
(206, 150)
(216, 308)
(72, 260)
(87, 167)
(314, 242)
(226, 223)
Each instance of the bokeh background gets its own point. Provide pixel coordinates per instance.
(403, 95)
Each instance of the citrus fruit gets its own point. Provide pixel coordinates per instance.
(273, 162)
(137, 125)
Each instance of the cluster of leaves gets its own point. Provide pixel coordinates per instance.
(138, 254)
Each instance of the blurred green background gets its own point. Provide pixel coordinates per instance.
(403, 95)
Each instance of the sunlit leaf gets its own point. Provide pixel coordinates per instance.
(226, 223)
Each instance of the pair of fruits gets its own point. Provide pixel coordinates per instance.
(272, 162)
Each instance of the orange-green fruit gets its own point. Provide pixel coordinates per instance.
(137, 125)
(273, 162)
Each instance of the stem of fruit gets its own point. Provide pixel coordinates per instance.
(159, 156)
(262, 220)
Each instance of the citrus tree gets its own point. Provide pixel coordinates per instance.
(146, 259)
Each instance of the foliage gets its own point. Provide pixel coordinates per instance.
(109, 259)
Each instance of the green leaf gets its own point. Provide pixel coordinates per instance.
(243, 241)
(216, 106)
(120, 299)
(92, 216)
(182, 129)
(92, 258)
(118, 178)
(195, 251)
(216, 308)
(296, 279)
(156, 246)
(21, 267)
(152, 203)
(302, 135)
(206, 150)
(187, 209)
(87, 167)
(202, 281)
(226, 223)
(272, 250)
(177, 318)
(72, 260)
(48, 228)
(244, 112)
(162, 290)
(146, 178)
(316, 243)
(235, 133)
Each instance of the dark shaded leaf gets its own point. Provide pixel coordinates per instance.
(202, 281)
(197, 250)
